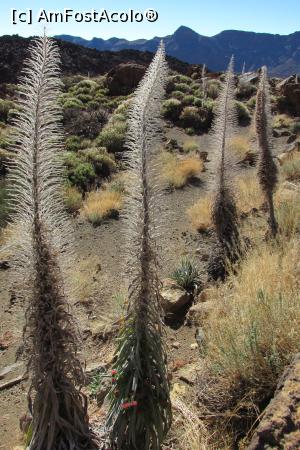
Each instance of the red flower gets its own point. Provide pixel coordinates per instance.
(114, 372)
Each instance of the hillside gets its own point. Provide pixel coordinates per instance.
(280, 53)
(76, 59)
(230, 330)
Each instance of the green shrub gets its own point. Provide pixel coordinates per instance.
(113, 137)
(178, 95)
(186, 275)
(242, 113)
(190, 117)
(171, 109)
(84, 98)
(213, 89)
(83, 175)
(188, 100)
(73, 143)
(72, 102)
(181, 87)
(103, 163)
(198, 102)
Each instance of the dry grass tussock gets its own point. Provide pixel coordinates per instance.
(248, 192)
(240, 145)
(176, 172)
(101, 205)
(255, 328)
(291, 167)
(200, 214)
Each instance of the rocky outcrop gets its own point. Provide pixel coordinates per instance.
(289, 89)
(280, 425)
(123, 79)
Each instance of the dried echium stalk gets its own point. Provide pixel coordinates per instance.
(40, 243)
(224, 213)
(140, 407)
(267, 169)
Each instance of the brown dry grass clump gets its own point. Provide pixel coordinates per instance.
(101, 205)
(248, 193)
(177, 172)
(252, 334)
(200, 214)
(240, 145)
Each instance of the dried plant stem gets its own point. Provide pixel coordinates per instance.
(267, 170)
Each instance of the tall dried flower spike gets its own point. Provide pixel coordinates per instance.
(40, 245)
(140, 357)
(267, 169)
(224, 213)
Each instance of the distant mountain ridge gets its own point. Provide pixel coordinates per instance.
(280, 53)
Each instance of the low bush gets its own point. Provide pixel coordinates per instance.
(103, 163)
(188, 100)
(113, 137)
(171, 109)
(178, 95)
(190, 117)
(182, 87)
(200, 214)
(213, 89)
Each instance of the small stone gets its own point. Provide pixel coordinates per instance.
(175, 344)
(194, 346)
(188, 374)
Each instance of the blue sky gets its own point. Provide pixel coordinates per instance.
(207, 17)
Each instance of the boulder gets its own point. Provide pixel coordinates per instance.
(279, 427)
(173, 297)
(124, 78)
(289, 89)
(199, 312)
